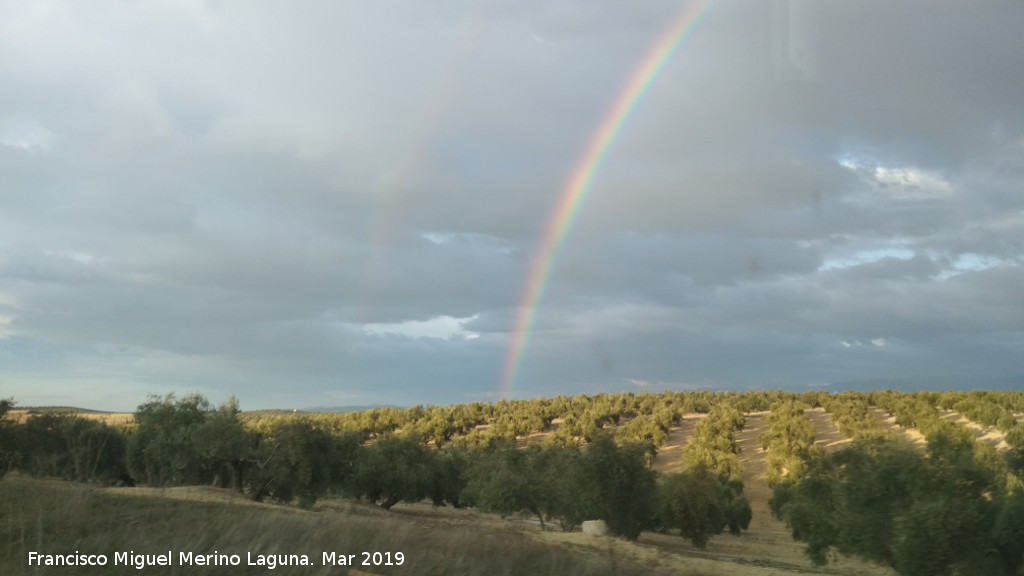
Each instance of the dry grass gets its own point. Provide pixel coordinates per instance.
(758, 552)
(115, 419)
(57, 517)
(52, 516)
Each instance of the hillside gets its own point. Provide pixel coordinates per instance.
(759, 439)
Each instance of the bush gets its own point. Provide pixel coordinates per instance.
(73, 448)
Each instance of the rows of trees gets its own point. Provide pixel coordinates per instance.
(916, 411)
(954, 508)
(301, 458)
(593, 463)
(789, 442)
(1001, 410)
(712, 466)
(934, 513)
(851, 414)
(919, 411)
(713, 444)
(581, 416)
(989, 409)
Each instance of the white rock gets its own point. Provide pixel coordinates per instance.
(595, 527)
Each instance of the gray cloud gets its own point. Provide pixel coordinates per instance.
(340, 203)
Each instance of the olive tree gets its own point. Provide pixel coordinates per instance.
(393, 469)
(942, 513)
(298, 462)
(700, 504)
(9, 454)
(186, 441)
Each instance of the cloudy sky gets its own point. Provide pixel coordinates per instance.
(339, 203)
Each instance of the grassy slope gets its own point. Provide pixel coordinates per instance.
(58, 517)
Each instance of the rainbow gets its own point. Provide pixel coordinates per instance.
(576, 188)
(385, 212)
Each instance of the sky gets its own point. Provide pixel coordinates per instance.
(335, 203)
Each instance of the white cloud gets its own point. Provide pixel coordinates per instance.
(443, 327)
(912, 183)
(867, 256)
(970, 262)
(896, 181)
(873, 342)
(469, 240)
(659, 385)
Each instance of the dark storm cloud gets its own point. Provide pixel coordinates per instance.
(339, 203)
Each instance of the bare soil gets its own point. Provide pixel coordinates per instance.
(826, 435)
(988, 434)
(669, 459)
(888, 422)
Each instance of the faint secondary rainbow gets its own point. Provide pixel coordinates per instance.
(386, 218)
(576, 188)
